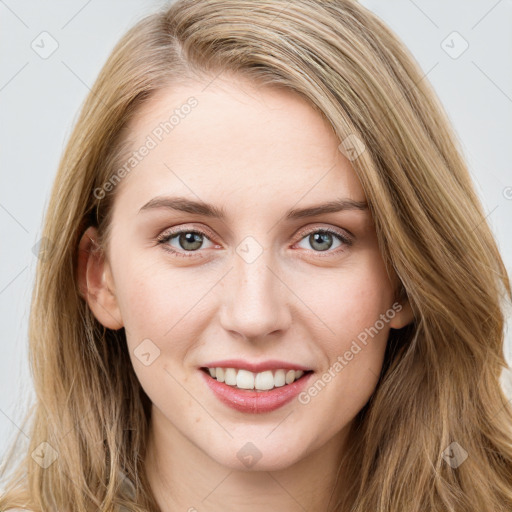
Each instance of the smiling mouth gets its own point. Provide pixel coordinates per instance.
(244, 380)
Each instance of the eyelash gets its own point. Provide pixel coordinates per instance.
(165, 237)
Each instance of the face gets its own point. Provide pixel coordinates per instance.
(260, 284)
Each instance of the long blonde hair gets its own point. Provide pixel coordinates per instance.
(439, 390)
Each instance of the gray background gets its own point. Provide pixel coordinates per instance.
(40, 98)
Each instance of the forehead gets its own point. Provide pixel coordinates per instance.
(235, 136)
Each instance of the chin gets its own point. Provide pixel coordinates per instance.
(257, 455)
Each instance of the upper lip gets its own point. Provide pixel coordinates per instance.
(271, 364)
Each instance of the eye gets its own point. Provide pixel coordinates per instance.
(321, 240)
(186, 240)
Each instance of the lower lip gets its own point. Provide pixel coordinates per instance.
(253, 401)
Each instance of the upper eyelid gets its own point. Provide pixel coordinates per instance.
(344, 233)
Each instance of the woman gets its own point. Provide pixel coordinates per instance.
(272, 282)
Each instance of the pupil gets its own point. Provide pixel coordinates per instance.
(190, 238)
(322, 237)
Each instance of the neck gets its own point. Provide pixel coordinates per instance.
(183, 477)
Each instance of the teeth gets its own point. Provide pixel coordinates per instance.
(230, 376)
(279, 378)
(245, 379)
(263, 381)
(290, 376)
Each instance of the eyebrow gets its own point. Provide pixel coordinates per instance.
(183, 204)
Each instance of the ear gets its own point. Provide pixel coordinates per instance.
(403, 315)
(95, 281)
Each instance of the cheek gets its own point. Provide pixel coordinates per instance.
(146, 303)
(154, 301)
(152, 297)
(359, 313)
(160, 304)
(353, 298)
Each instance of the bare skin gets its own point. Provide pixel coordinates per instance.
(256, 153)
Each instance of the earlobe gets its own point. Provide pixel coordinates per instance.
(95, 281)
(403, 316)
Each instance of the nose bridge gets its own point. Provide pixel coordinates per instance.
(256, 302)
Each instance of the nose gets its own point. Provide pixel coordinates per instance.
(255, 300)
